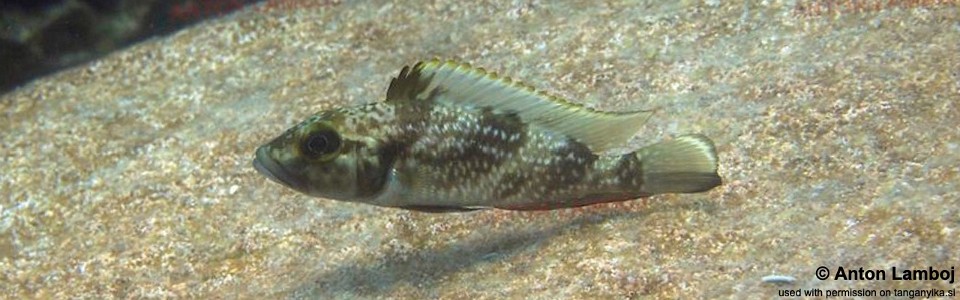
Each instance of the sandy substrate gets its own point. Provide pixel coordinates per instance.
(130, 177)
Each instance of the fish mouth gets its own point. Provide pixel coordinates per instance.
(269, 167)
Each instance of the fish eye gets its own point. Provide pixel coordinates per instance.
(320, 144)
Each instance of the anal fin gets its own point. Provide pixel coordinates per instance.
(439, 209)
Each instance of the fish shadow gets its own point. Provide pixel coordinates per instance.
(427, 268)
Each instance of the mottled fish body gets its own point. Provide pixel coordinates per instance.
(450, 137)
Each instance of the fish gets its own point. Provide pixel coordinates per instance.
(449, 137)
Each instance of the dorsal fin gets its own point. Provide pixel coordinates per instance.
(455, 83)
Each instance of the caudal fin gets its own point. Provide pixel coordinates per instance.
(687, 164)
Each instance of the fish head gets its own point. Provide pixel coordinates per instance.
(326, 156)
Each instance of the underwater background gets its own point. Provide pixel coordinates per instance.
(39, 37)
(835, 121)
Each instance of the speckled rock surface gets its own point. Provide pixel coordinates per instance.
(130, 177)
